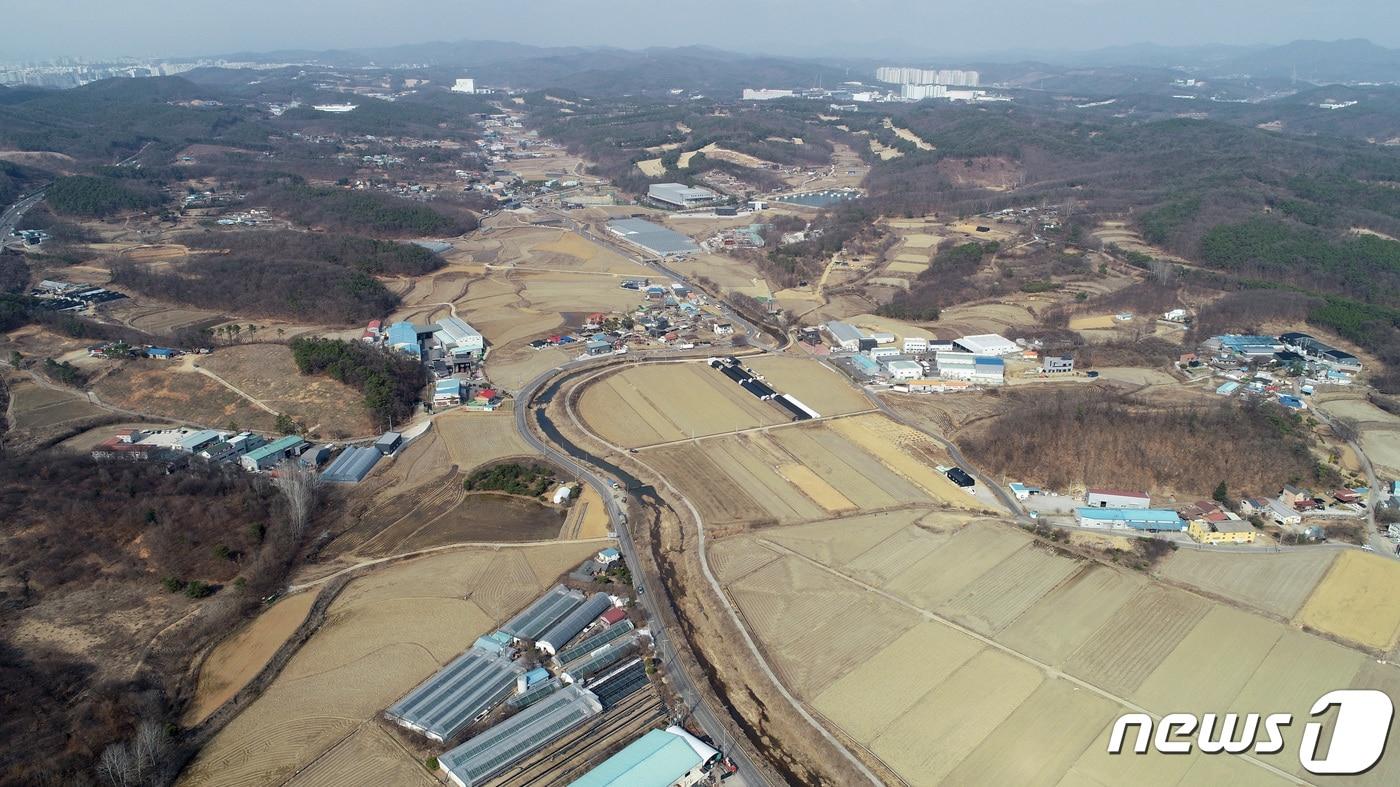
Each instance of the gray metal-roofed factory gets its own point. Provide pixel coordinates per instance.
(459, 693)
(488, 754)
(547, 610)
(653, 238)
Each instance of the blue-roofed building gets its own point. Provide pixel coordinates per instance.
(1228, 388)
(162, 353)
(1023, 491)
(447, 392)
(1291, 402)
(660, 758)
(403, 336)
(609, 555)
(531, 678)
(1155, 520)
(495, 642)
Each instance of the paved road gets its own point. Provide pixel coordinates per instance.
(692, 696)
(12, 215)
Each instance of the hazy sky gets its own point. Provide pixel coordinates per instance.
(94, 28)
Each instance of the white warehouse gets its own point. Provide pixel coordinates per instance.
(987, 344)
(971, 367)
(904, 370)
(681, 195)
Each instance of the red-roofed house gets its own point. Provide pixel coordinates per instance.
(613, 616)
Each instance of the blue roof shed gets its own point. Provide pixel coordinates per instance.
(657, 759)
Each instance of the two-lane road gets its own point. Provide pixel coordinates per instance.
(691, 695)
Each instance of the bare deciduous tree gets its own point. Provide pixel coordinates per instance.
(116, 766)
(298, 485)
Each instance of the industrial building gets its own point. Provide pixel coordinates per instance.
(913, 345)
(765, 94)
(1250, 347)
(987, 344)
(458, 694)
(194, 441)
(1314, 350)
(269, 455)
(488, 754)
(653, 238)
(464, 85)
(403, 336)
(1116, 498)
(969, 366)
(846, 336)
(904, 370)
(1056, 364)
(353, 464)
(1149, 519)
(661, 758)
(546, 610)
(571, 624)
(458, 338)
(680, 195)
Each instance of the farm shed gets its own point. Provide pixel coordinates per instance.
(1116, 498)
(571, 624)
(544, 612)
(1149, 519)
(388, 443)
(469, 686)
(352, 465)
(488, 754)
(657, 759)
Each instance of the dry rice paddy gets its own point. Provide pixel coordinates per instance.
(1277, 583)
(816, 385)
(657, 403)
(1358, 600)
(1005, 662)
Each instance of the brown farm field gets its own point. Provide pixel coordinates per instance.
(267, 373)
(1358, 600)
(1277, 583)
(386, 632)
(1016, 657)
(238, 659)
(660, 403)
(34, 407)
(818, 386)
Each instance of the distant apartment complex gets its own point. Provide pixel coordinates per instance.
(899, 75)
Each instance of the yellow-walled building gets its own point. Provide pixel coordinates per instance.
(1227, 532)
